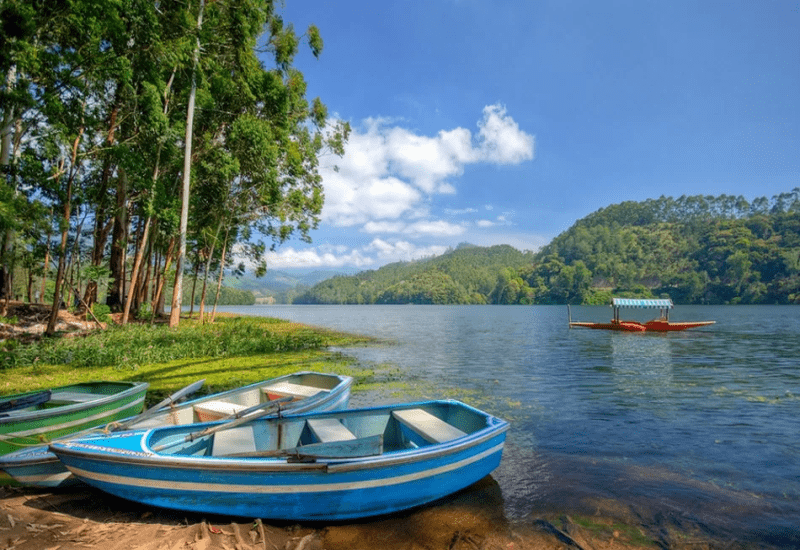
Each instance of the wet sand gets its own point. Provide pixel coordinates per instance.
(473, 519)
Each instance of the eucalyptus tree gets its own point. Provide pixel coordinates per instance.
(259, 115)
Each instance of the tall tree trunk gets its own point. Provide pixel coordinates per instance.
(46, 263)
(6, 265)
(158, 301)
(177, 294)
(73, 171)
(144, 241)
(221, 274)
(207, 272)
(194, 286)
(119, 238)
(136, 266)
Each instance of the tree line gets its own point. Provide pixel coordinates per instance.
(143, 140)
(695, 250)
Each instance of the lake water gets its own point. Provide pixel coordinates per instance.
(698, 430)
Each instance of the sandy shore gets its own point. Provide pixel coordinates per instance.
(82, 518)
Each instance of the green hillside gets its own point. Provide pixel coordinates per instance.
(698, 249)
(466, 275)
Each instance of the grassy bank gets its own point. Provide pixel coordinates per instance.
(231, 352)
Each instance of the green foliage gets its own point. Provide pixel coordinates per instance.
(144, 344)
(467, 275)
(102, 312)
(716, 250)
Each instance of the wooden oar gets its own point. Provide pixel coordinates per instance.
(349, 448)
(152, 411)
(271, 407)
(260, 406)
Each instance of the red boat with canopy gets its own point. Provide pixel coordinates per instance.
(662, 324)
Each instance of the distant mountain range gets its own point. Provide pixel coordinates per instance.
(281, 286)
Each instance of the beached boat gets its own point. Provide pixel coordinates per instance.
(33, 417)
(662, 324)
(298, 392)
(318, 466)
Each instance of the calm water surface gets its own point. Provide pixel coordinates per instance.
(699, 429)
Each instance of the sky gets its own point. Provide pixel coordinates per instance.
(506, 121)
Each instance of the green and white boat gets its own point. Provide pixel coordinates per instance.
(37, 417)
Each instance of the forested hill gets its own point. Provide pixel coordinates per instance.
(698, 249)
(466, 275)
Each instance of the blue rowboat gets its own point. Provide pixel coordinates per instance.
(299, 392)
(319, 466)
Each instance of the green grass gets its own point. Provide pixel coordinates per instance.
(229, 353)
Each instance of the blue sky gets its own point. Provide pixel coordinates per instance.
(504, 122)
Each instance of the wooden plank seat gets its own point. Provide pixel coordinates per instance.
(215, 410)
(284, 389)
(427, 426)
(234, 441)
(329, 429)
(68, 397)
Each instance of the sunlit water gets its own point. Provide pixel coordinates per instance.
(697, 429)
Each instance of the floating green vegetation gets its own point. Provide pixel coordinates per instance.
(748, 396)
(608, 529)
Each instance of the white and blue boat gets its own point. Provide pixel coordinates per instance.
(299, 392)
(318, 466)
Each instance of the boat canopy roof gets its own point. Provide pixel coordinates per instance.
(636, 302)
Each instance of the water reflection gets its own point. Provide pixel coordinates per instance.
(679, 427)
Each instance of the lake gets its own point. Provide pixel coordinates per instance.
(697, 429)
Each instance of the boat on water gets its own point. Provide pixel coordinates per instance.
(318, 466)
(298, 392)
(661, 324)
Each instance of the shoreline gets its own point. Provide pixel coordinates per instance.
(474, 518)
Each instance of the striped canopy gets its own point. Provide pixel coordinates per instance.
(636, 302)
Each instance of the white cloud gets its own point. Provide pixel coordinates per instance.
(457, 212)
(388, 172)
(402, 250)
(502, 142)
(435, 229)
(285, 258)
(383, 227)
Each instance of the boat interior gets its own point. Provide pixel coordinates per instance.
(221, 406)
(343, 434)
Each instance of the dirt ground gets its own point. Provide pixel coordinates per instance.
(473, 519)
(30, 321)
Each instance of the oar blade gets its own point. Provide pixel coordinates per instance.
(152, 411)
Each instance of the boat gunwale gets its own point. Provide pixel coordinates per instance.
(495, 427)
(24, 459)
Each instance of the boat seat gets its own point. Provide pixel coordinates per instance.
(284, 389)
(67, 397)
(427, 426)
(234, 441)
(329, 429)
(216, 410)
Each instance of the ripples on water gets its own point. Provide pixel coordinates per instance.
(698, 428)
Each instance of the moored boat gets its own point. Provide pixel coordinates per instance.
(297, 392)
(661, 324)
(318, 466)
